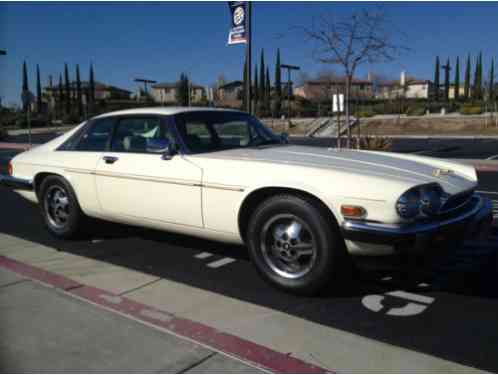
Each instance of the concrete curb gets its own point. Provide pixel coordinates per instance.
(199, 333)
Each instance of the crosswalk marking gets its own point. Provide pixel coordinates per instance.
(203, 255)
(220, 263)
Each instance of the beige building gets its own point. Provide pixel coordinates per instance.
(165, 93)
(461, 91)
(102, 92)
(409, 88)
(316, 90)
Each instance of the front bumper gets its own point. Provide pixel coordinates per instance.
(16, 183)
(418, 237)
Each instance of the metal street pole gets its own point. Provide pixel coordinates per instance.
(248, 58)
(145, 82)
(289, 87)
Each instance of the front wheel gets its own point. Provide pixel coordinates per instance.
(294, 245)
(60, 209)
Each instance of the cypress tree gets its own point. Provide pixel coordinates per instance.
(262, 84)
(477, 91)
(278, 86)
(91, 90)
(466, 87)
(262, 80)
(268, 90)
(244, 86)
(447, 80)
(67, 90)
(78, 92)
(491, 89)
(182, 90)
(457, 80)
(25, 84)
(436, 80)
(480, 76)
(60, 105)
(38, 90)
(256, 89)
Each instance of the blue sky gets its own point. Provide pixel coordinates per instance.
(160, 40)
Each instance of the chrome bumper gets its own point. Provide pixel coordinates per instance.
(16, 183)
(419, 235)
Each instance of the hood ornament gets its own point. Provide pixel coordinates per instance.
(438, 172)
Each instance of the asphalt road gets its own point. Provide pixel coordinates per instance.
(462, 287)
(457, 292)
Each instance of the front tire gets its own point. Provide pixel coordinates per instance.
(294, 245)
(60, 209)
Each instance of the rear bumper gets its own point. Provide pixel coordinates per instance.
(417, 237)
(16, 183)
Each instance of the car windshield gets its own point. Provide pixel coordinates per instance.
(209, 131)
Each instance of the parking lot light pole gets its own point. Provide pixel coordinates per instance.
(289, 69)
(145, 82)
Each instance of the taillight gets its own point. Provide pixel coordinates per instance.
(10, 170)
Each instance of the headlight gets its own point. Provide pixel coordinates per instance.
(430, 199)
(408, 205)
(423, 200)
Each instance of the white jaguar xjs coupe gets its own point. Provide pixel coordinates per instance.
(220, 174)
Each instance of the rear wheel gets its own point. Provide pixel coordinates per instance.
(60, 209)
(294, 245)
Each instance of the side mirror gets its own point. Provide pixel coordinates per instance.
(284, 138)
(163, 147)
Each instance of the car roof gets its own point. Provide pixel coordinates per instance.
(165, 111)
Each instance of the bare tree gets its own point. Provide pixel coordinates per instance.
(350, 42)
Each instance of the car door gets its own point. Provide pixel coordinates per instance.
(135, 181)
(79, 155)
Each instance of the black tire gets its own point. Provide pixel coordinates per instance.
(329, 253)
(72, 226)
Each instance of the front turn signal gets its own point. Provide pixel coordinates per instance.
(10, 170)
(356, 212)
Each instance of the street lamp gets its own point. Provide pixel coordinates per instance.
(145, 82)
(289, 68)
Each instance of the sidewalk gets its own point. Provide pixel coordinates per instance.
(46, 330)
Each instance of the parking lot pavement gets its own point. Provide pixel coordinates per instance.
(442, 321)
(45, 329)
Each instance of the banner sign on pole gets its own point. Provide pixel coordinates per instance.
(338, 103)
(238, 32)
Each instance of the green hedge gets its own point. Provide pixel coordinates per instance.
(416, 111)
(471, 110)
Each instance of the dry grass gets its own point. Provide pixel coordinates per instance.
(429, 126)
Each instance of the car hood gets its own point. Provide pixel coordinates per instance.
(409, 168)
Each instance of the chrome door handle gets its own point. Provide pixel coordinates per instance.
(110, 159)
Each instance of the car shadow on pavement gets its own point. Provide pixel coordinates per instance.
(463, 287)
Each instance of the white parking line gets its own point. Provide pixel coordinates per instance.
(203, 255)
(220, 263)
(411, 296)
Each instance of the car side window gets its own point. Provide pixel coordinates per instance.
(97, 137)
(233, 133)
(140, 135)
(197, 136)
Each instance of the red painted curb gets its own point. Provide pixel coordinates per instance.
(16, 146)
(238, 347)
(485, 168)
